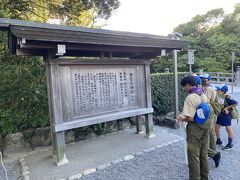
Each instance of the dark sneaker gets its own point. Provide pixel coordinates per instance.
(219, 142)
(228, 147)
(216, 159)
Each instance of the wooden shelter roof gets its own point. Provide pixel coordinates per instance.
(34, 38)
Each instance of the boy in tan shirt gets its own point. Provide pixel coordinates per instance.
(197, 134)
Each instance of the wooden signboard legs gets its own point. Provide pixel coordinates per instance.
(139, 122)
(55, 109)
(148, 125)
(60, 148)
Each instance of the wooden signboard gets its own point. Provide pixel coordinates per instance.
(86, 92)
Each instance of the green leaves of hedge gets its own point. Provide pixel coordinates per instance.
(163, 93)
(23, 92)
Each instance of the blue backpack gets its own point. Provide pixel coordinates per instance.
(202, 114)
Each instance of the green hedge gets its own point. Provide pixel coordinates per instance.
(163, 93)
(23, 91)
(24, 100)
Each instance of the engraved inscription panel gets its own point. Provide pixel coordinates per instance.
(101, 89)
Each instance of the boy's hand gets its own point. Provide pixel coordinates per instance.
(225, 110)
(184, 118)
(181, 118)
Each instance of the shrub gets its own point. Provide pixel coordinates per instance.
(163, 92)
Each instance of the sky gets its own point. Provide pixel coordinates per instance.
(161, 16)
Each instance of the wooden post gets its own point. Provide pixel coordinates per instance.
(238, 76)
(218, 77)
(139, 121)
(175, 73)
(56, 116)
(233, 61)
(149, 126)
(190, 69)
(50, 106)
(148, 118)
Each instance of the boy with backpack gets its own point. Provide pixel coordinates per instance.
(197, 128)
(211, 94)
(226, 115)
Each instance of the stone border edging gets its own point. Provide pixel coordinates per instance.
(25, 172)
(125, 158)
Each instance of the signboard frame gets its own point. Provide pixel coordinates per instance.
(61, 106)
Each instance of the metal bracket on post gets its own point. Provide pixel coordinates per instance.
(61, 49)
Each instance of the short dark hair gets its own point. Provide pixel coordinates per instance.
(189, 79)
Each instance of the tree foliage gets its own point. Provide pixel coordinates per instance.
(200, 24)
(214, 36)
(74, 12)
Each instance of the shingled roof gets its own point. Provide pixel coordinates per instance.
(34, 38)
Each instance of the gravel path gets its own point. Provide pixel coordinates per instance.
(162, 163)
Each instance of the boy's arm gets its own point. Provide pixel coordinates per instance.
(182, 117)
(230, 107)
(188, 111)
(231, 103)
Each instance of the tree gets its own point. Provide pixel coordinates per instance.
(214, 35)
(200, 24)
(71, 12)
(231, 24)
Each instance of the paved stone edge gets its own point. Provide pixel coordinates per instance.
(24, 169)
(125, 158)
